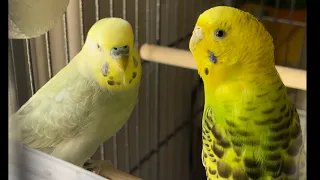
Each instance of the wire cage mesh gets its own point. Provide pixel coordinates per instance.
(162, 138)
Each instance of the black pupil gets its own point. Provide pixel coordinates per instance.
(98, 46)
(220, 33)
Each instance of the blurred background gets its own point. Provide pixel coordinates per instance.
(162, 139)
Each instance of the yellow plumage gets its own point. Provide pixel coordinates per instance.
(251, 130)
(88, 101)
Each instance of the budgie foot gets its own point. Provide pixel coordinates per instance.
(95, 166)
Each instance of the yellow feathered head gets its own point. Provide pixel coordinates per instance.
(226, 41)
(110, 54)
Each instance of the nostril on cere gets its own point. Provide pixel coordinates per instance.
(116, 51)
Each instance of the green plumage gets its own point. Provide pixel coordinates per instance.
(255, 133)
(251, 129)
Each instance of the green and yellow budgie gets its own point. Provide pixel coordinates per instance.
(250, 128)
(88, 101)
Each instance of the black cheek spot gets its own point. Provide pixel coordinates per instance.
(206, 71)
(134, 75)
(130, 81)
(111, 83)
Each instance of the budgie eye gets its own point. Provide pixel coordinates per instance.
(219, 34)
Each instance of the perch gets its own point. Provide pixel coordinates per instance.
(293, 78)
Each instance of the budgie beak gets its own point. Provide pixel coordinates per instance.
(121, 55)
(196, 37)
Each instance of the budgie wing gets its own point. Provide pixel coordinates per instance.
(56, 112)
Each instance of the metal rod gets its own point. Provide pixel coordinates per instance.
(32, 88)
(262, 7)
(101, 152)
(49, 60)
(137, 118)
(115, 151)
(166, 131)
(276, 15)
(137, 137)
(157, 92)
(292, 5)
(158, 8)
(126, 145)
(162, 143)
(167, 7)
(147, 21)
(147, 114)
(185, 18)
(96, 2)
(114, 138)
(65, 36)
(14, 71)
(147, 94)
(81, 22)
(124, 9)
(111, 7)
(285, 21)
(126, 126)
(174, 111)
(136, 21)
(277, 8)
(303, 49)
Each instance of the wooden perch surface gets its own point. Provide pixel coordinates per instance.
(111, 173)
(293, 78)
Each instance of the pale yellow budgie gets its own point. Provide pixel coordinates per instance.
(250, 128)
(88, 101)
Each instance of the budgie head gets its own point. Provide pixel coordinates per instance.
(111, 55)
(227, 41)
